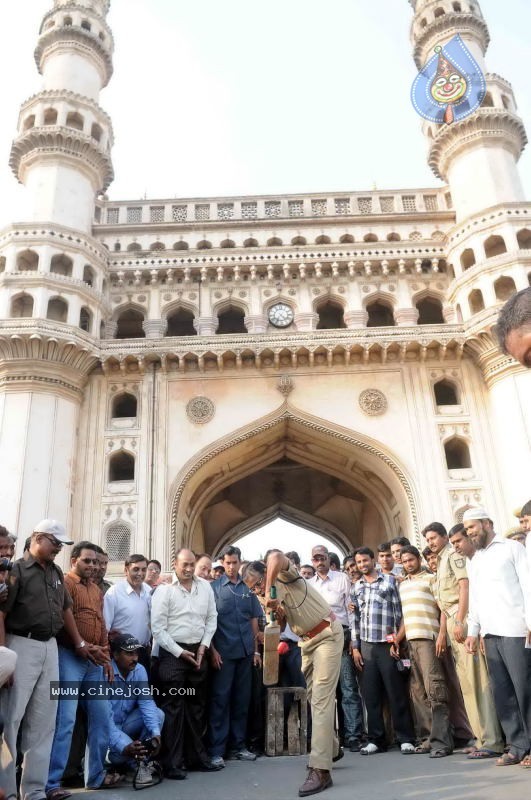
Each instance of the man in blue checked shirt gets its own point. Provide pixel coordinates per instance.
(135, 717)
(377, 618)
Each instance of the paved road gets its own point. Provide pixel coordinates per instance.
(389, 776)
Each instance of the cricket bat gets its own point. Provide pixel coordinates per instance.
(271, 640)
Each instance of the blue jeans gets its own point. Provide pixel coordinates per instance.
(135, 728)
(74, 668)
(351, 700)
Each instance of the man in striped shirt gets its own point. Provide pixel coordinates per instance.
(377, 618)
(420, 626)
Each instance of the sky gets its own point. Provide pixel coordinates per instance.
(244, 97)
(286, 536)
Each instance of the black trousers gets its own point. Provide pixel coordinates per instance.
(378, 677)
(509, 664)
(183, 701)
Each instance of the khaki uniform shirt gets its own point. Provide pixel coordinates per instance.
(451, 568)
(304, 606)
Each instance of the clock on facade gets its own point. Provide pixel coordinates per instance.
(280, 315)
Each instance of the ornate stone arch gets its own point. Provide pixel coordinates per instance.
(373, 468)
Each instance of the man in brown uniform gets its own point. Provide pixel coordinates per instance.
(310, 617)
(450, 588)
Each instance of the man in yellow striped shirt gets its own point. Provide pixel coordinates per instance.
(420, 626)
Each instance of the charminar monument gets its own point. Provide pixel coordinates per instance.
(182, 371)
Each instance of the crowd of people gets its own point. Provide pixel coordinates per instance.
(430, 652)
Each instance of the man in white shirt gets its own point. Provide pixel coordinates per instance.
(127, 606)
(183, 620)
(335, 587)
(500, 609)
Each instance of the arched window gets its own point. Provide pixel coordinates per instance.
(29, 122)
(430, 311)
(457, 454)
(130, 325)
(75, 120)
(445, 392)
(22, 306)
(468, 259)
(393, 237)
(488, 102)
(118, 541)
(157, 246)
(85, 24)
(504, 287)
(121, 467)
(274, 242)
(180, 245)
(459, 313)
(524, 239)
(330, 316)
(370, 237)
(181, 323)
(134, 247)
(323, 240)
(231, 320)
(2, 263)
(117, 247)
(250, 242)
(457, 7)
(57, 309)
(27, 261)
(67, 21)
(50, 117)
(494, 246)
(204, 244)
(85, 320)
(298, 241)
(475, 301)
(61, 265)
(380, 315)
(124, 406)
(88, 275)
(226, 243)
(506, 102)
(439, 12)
(347, 238)
(96, 131)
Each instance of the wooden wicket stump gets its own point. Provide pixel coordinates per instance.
(297, 723)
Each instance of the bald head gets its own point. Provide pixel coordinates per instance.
(184, 565)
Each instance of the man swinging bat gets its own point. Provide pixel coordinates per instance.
(310, 617)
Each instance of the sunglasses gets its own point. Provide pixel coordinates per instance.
(53, 540)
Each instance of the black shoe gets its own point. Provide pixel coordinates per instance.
(175, 774)
(340, 754)
(355, 746)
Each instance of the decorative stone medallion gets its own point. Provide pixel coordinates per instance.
(200, 410)
(373, 402)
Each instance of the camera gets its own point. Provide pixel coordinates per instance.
(148, 746)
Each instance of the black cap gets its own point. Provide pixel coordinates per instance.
(125, 642)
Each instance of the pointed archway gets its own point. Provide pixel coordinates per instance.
(211, 496)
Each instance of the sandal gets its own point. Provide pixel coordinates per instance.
(440, 753)
(422, 749)
(483, 752)
(507, 760)
(526, 762)
(58, 794)
(109, 782)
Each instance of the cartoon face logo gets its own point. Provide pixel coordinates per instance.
(448, 88)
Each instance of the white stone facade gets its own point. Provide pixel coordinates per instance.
(148, 400)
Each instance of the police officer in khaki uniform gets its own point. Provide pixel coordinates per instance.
(450, 588)
(310, 617)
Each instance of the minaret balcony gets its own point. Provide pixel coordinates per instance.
(445, 27)
(76, 38)
(82, 151)
(490, 126)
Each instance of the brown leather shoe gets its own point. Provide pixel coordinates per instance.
(317, 781)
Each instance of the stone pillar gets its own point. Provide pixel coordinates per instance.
(306, 321)
(155, 328)
(406, 317)
(206, 326)
(256, 323)
(356, 319)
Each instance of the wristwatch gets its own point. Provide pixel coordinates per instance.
(80, 645)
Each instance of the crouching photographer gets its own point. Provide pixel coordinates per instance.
(136, 721)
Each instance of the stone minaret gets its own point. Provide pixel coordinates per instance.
(488, 248)
(53, 273)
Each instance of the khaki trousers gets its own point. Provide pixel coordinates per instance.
(474, 679)
(429, 695)
(29, 698)
(321, 663)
